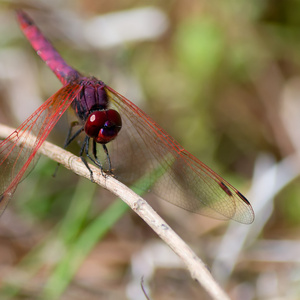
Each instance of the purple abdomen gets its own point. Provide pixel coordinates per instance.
(45, 50)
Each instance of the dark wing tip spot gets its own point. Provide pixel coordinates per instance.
(243, 198)
(225, 188)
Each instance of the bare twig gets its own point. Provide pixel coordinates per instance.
(196, 267)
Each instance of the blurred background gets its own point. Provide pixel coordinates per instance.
(223, 78)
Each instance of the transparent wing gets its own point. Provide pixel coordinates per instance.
(143, 147)
(17, 152)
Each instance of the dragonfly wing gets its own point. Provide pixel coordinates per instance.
(204, 191)
(143, 147)
(17, 152)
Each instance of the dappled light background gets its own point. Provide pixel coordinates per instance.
(223, 78)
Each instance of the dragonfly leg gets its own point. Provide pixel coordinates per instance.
(84, 148)
(70, 138)
(95, 161)
(95, 154)
(108, 158)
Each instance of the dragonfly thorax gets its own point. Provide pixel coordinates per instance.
(92, 97)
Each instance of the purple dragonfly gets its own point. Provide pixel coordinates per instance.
(133, 145)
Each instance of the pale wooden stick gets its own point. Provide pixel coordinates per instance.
(196, 267)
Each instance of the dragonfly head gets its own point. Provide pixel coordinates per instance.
(103, 125)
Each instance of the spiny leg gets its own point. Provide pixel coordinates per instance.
(70, 139)
(108, 159)
(96, 157)
(95, 160)
(84, 148)
(95, 153)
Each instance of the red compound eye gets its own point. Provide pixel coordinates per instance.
(103, 125)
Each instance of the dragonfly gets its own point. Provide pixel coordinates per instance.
(133, 145)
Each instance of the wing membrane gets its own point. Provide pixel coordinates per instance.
(18, 151)
(142, 146)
